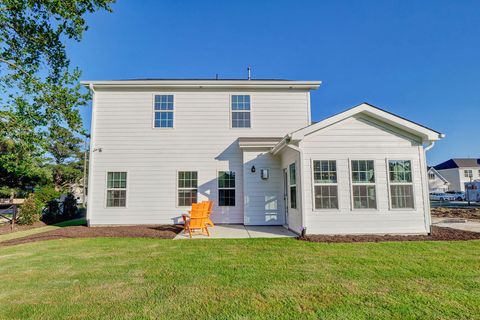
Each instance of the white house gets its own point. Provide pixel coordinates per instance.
(248, 145)
(436, 182)
(458, 171)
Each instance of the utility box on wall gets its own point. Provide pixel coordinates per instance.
(264, 174)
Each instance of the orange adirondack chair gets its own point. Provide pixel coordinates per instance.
(197, 220)
(209, 212)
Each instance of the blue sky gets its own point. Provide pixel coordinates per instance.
(418, 59)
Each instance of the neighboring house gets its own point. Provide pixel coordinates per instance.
(458, 171)
(249, 145)
(436, 182)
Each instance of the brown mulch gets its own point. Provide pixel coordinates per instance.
(6, 228)
(438, 234)
(463, 213)
(143, 231)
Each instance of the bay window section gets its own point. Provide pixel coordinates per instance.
(325, 184)
(363, 184)
(401, 185)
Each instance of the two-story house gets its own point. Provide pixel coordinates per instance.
(159, 145)
(458, 171)
(436, 182)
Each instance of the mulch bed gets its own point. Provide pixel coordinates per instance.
(438, 234)
(6, 228)
(144, 231)
(463, 213)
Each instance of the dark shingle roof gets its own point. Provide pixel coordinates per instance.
(458, 163)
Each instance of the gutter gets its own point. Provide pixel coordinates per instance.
(428, 216)
(89, 183)
(300, 171)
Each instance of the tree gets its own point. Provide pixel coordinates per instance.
(38, 89)
(66, 153)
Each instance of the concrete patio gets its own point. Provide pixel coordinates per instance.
(457, 223)
(238, 231)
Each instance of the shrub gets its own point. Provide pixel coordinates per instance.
(51, 211)
(70, 206)
(46, 194)
(29, 211)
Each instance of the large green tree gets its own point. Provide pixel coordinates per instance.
(39, 91)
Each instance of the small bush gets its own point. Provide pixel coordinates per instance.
(70, 206)
(29, 211)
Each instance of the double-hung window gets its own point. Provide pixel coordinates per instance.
(363, 184)
(187, 188)
(468, 173)
(116, 189)
(226, 189)
(401, 185)
(292, 184)
(431, 176)
(325, 184)
(241, 111)
(163, 111)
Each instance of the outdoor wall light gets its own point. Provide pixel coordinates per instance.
(253, 169)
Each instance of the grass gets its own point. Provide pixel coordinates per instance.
(24, 233)
(119, 278)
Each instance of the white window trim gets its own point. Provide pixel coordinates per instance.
(230, 105)
(465, 173)
(324, 184)
(352, 202)
(154, 111)
(292, 185)
(389, 183)
(106, 189)
(229, 188)
(177, 188)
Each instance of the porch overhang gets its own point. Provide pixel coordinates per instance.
(258, 142)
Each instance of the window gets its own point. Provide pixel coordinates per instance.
(431, 176)
(163, 110)
(116, 189)
(226, 188)
(401, 186)
(241, 111)
(468, 173)
(187, 188)
(292, 182)
(325, 184)
(363, 184)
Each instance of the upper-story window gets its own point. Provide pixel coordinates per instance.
(468, 173)
(163, 110)
(241, 111)
(431, 176)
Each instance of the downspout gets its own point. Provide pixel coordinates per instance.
(428, 216)
(300, 170)
(89, 183)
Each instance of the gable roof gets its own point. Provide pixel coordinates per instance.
(458, 163)
(432, 169)
(394, 120)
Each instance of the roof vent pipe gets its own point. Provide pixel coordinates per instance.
(249, 73)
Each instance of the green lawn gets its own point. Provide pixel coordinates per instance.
(239, 279)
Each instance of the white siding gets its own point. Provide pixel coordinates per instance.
(263, 198)
(202, 141)
(363, 139)
(436, 184)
